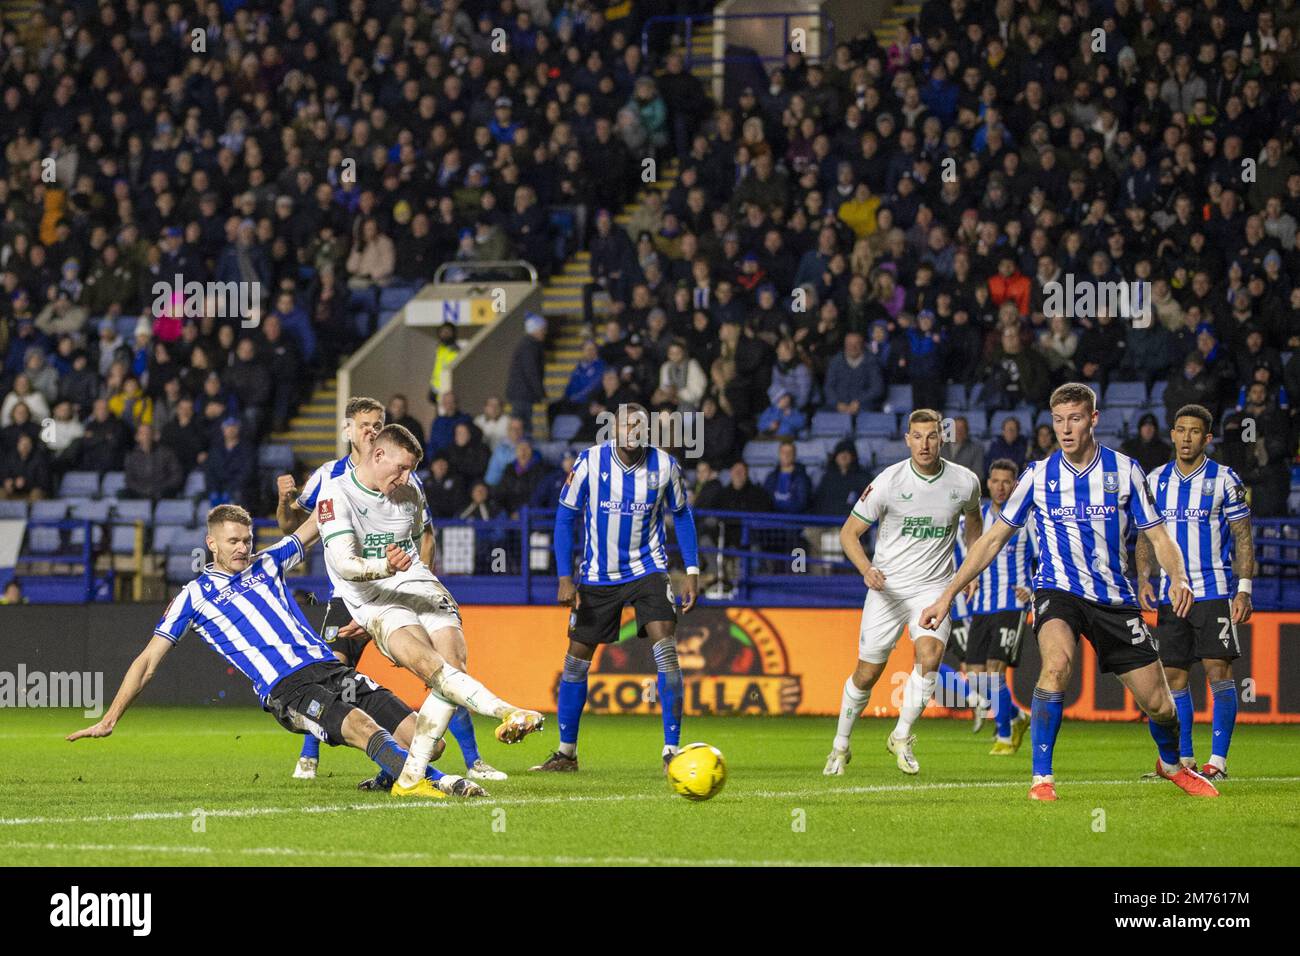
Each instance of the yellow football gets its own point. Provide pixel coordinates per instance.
(697, 771)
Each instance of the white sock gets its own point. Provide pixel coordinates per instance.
(916, 694)
(980, 680)
(569, 750)
(459, 688)
(430, 724)
(851, 704)
(1217, 761)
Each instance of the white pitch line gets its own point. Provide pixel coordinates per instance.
(240, 812)
(507, 859)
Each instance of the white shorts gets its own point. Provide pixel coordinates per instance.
(883, 616)
(424, 603)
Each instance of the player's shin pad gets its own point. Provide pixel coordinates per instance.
(460, 688)
(430, 724)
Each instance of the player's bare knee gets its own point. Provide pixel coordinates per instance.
(358, 727)
(1215, 670)
(1055, 674)
(583, 652)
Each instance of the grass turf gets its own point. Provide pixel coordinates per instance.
(131, 799)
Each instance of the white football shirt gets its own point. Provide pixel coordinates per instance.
(916, 522)
(346, 507)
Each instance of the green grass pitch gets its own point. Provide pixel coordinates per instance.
(130, 799)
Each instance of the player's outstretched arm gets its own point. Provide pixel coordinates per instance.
(979, 557)
(137, 675)
(307, 532)
(1171, 559)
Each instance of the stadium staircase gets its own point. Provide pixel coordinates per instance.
(899, 14)
(562, 297)
(16, 13)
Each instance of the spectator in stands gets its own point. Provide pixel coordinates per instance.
(788, 484)
(845, 479)
(63, 438)
(682, 379)
(481, 507)
(546, 496)
(24, 471)
(1192, 385)
(1010, 444)
(44, 378)
(397, 413)
(13, 593)
(286, 365)
(520, 478)
(963, 450)
(186, 436)
(231, 466)
(468, 457)
(1008, 284)
(243, 260)
(103, 446)
(447, 493)
(1102, 349)
(80, 384)
(443, 430)
(613, 262)
(1146, 447)
(719, 434)
(1044, 444)
(1057, 344)
(1015, 375)
(492, 422)
(781, 418)
(1258, 445)
(584, 382)
(613, 393)
(250, 381)
(23, 393)
(20, 423)
(790, 374)
(152, 470)
(853, 380)
(297, 325)
(448, 351)
(525, 386)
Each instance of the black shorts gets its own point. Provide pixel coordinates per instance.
(1206, 633)
(600, 608)
(959, 639)
(995, 636)
(1118, 634)
(317, 698)
(337, 616)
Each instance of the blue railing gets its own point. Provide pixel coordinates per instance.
(684, 25)
(53, 548)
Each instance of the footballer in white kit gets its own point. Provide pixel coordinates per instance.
(916, 506)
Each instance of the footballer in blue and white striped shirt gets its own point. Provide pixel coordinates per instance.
(1082, 498)
(241, 606)
(1204, 507)
(621, 489)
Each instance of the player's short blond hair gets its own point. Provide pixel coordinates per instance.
(1072, 392)
(223, 513)
(399, 436)
(922, 416)
(361, 403)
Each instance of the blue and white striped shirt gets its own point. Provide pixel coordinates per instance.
(1012, 568)
(623, 511)
(1197, 509)
(1080, 519)
(249, 618)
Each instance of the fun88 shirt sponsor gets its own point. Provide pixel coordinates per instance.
(1012, 568)
(249, 618)
(1197, 508)
(623, 511)
(1080, 520)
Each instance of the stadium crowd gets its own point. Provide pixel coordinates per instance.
(893, 215)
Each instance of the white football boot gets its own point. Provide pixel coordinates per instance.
(836, 762)
(306, 768)
(902, 749)
(482, 770)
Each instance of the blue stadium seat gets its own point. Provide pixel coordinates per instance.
(201, 514)
(13, 511)
(46, 540)
(133, 509)
(1158, 393)
(386, 317)
(361, 299)
(811, 452)
(976, 393)
(174, 511)
(865, 451)
(1125, 395)
(760, 452)
(829, 424)
(393, 297)
(276, 456)
(96, 511)
(552, 452)
(890, 453)
(122, 539)
(186, 540)
(877, 424)
(955, 396)
(180, 569)
(1113, 420)
(114, 484)
(196, 484)
(758, 473)
(565, 427)
(899, 399)
(79, 484)
(163, 536)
